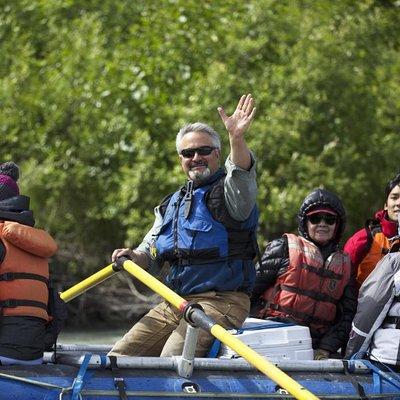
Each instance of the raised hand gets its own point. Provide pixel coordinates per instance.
(240, 120)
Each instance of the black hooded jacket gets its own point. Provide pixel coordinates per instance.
(275, 262)
(15, 209)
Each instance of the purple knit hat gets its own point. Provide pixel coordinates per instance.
(9, 174)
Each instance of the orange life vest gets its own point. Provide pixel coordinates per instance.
(380, 246)
(24, 271)
(310, 289)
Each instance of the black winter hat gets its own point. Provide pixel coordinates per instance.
(321, 198)
(9, 174)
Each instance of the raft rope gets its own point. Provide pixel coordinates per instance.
(377, 373)
(382, 375)
(76, 386)
(37, 383)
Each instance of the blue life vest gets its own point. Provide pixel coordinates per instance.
(206, 248)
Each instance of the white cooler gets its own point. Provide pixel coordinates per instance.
(273, 340)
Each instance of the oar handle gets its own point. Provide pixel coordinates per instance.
(119, 262)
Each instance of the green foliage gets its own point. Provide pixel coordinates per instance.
(93, 92)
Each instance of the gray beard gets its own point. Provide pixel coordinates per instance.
(197, 176)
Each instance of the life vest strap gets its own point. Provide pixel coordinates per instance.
(373, 226)
(297, 315)
(393, 321)
(10, 276)
(309, 293)
(187, 257)
(12, 303)
(325, 273)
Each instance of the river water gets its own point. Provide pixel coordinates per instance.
(91, 335)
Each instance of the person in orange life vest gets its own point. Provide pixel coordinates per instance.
(24, 275)
(367, 246)
(306, 279)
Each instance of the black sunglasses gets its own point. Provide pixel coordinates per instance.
(317, 218)
(201, 151)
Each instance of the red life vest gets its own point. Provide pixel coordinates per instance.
(380, 245)
(24, 271)
(310, 289)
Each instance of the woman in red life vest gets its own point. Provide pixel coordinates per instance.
(305, 278)
(24, 275)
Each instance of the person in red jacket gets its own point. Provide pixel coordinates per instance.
(380, 235)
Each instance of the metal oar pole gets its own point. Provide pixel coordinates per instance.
(194, 314)
(89, 282)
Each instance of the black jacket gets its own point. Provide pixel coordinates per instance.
(15, 209)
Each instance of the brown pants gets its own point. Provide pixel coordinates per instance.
(161, 332)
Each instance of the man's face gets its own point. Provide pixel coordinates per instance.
(392, 205)
(199, 167)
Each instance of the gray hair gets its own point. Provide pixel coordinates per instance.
(198, 127)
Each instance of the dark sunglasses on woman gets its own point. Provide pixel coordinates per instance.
(201, 151)
(317, 218)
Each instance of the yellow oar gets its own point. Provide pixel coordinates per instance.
(202, 320)
(198, 317)
(88, 283)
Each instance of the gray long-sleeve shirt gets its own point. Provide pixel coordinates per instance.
(240, 190)
(376, 301)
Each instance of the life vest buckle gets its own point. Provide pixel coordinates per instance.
(10, 303)
(8, 276)
(393, 321)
